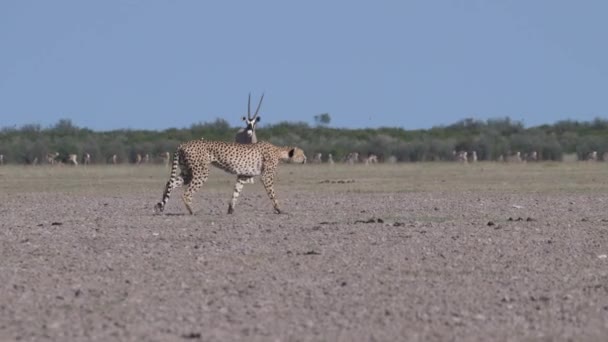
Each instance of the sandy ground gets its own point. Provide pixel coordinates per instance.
(418, 253)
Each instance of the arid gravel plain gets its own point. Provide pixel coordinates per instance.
(408, 252)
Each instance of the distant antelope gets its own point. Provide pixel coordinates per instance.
(35, 161)
(318, 159)
(73, 159)
(147, 158)
(516, 158)
(592, 156)
(114, 159)
(86, 159)
(246, 135)
(330, 159)
(1, 159)
(371, 159)
(166, 158)
(138, 159)
(462, 157)
(533, 156)
(352, 158)
(474, 156)
(51, 158)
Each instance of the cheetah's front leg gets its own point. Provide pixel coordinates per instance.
(238, 187)
(268, 181)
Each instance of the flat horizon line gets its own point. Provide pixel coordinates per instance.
(311, 125)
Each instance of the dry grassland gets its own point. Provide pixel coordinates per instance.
(416, 252)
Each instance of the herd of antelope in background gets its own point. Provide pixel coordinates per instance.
(57, 159)
(246, 135)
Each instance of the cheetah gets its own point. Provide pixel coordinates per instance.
(244, 160)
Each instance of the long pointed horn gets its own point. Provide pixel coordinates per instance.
(249, 107)
(259, 105)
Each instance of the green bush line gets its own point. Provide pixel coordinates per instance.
(489, 138)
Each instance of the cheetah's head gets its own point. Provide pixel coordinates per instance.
(295, 155)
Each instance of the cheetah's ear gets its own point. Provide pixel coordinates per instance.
(291, 152)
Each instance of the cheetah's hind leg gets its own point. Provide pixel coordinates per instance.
(194, 179)
(176, 182)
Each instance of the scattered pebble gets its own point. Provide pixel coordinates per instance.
(528, 219)
(371, 220)
(480, 317)
(192, 335)
(339, 181)
(602, 256)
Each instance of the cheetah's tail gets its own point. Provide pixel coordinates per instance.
(160, 206)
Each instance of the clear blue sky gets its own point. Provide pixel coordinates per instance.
(414, 64)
